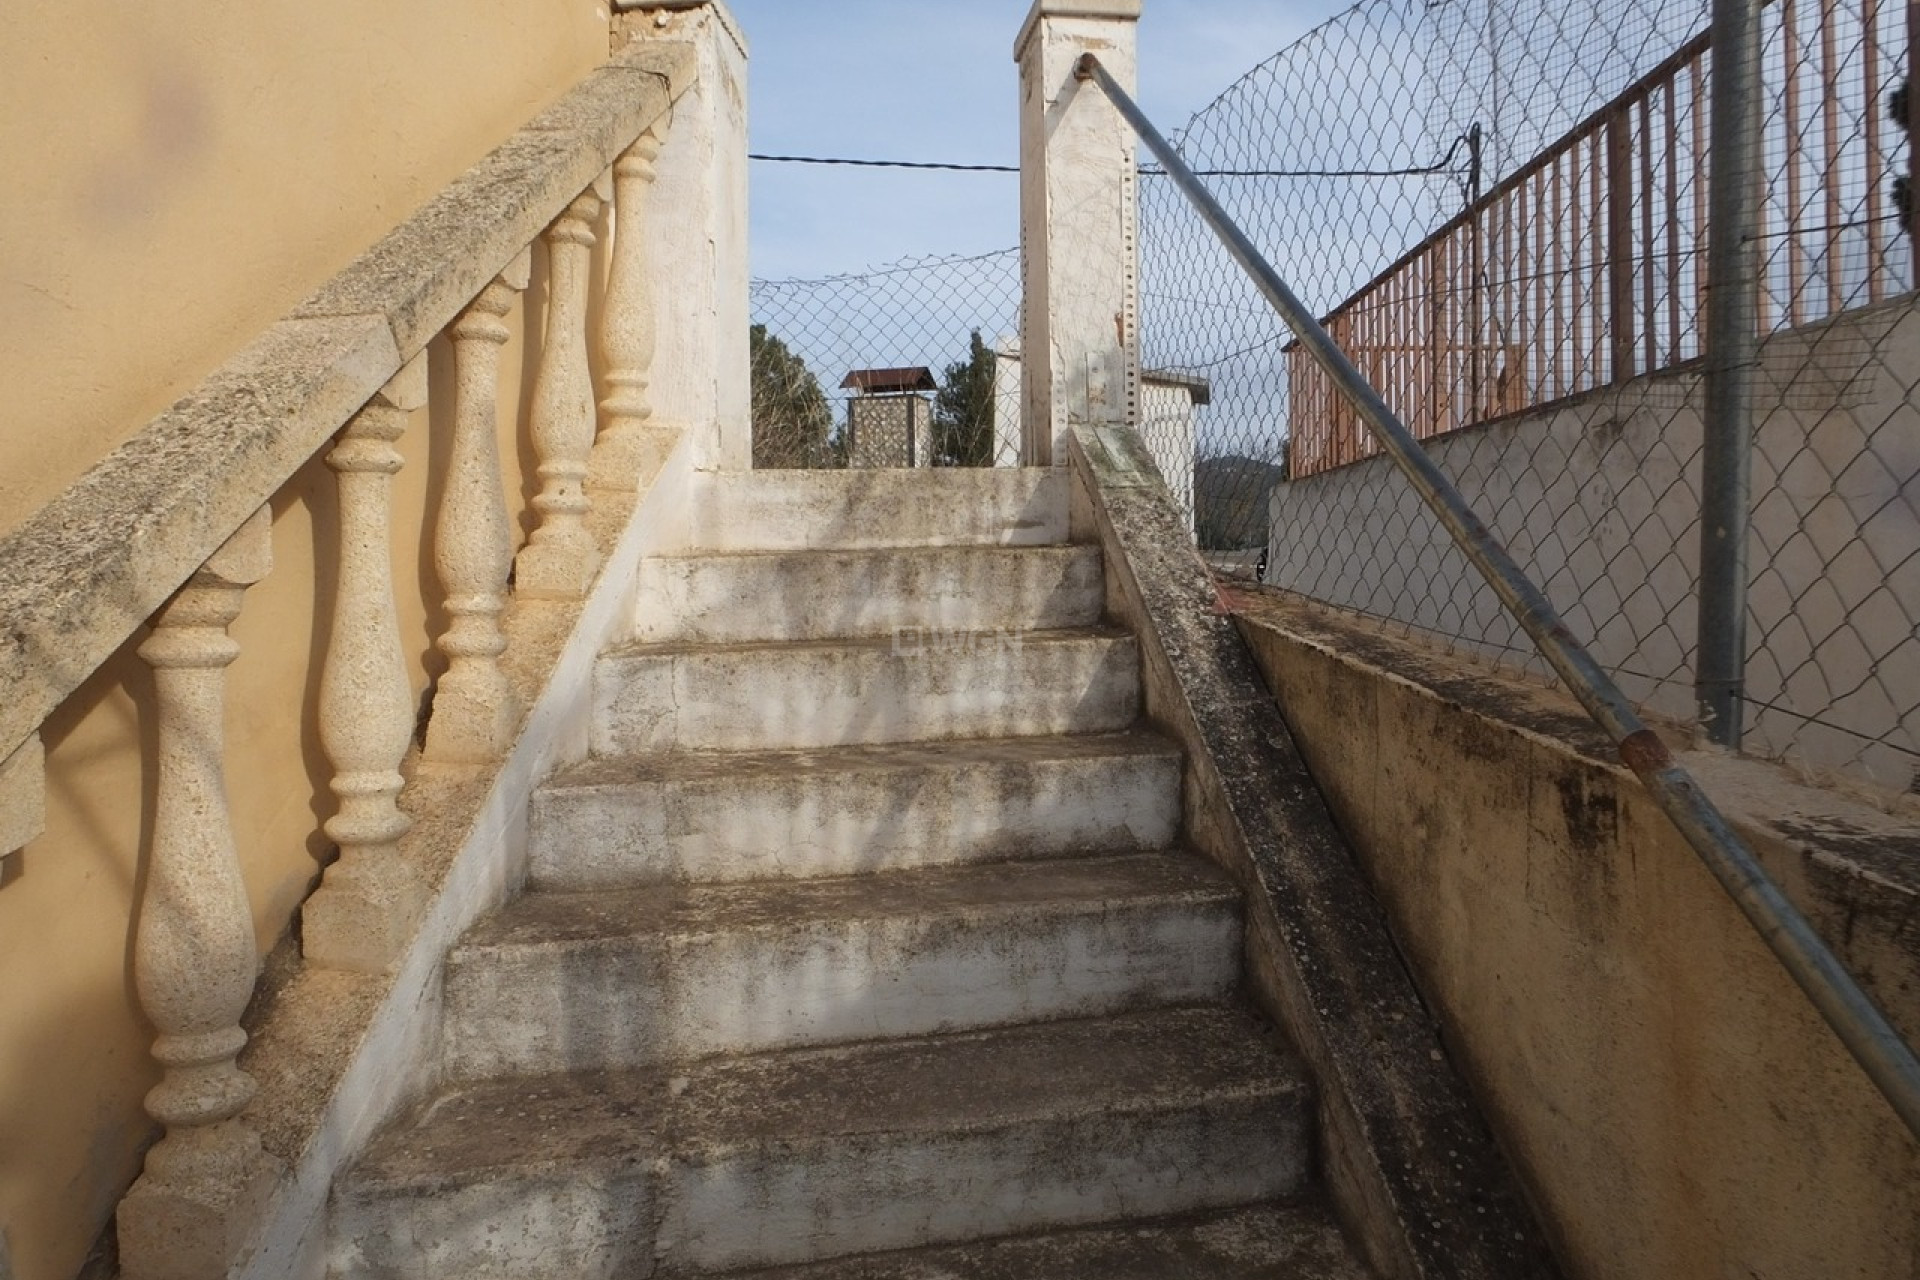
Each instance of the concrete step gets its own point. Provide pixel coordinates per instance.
(1257, 1242)
(927, 507)
(583, 981)
(653, 698)
(792, 814)
(822, 595)
(807, 1155)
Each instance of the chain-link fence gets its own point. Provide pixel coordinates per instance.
(1500, 208)
(912, 364)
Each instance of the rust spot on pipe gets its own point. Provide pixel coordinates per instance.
(1644, 753)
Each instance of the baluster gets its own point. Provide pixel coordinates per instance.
(474, 708)
(364, 911)
(194, 956)
(625, 455)
(560, 559)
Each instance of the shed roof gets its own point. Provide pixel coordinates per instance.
(885, 381)
(1195, 385)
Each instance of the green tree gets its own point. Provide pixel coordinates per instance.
(792, 420)
(963, 410)
(1230, 494)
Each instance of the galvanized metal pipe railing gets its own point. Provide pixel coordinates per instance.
(1878, 1048)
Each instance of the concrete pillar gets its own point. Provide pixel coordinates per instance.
(1080, 328)
(698, 252)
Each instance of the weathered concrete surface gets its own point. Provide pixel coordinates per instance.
(533, 1179)
(1259, 1243)
(336, 1053)
(814, 595)
(845, 510)
(785, 814)
(1413, 1171)
(909, 687)
(1668, 1093)
(1598, 498)
(732, 1099)
(811, 1154)
(584, 981)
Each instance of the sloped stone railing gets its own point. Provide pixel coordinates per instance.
(171, 530)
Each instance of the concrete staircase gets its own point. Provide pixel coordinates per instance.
(863, 946)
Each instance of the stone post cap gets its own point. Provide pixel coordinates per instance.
(1117, 10)
(728, 22)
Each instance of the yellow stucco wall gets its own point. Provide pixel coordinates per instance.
(1668, 1094)
(180, 175)
(183, 175)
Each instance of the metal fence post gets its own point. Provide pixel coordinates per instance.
(1910, 122)
(1732, 339)
(1621, 267)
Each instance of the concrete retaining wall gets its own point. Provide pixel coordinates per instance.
(1598, 499)
(1407, 1160)
(1669, 1096)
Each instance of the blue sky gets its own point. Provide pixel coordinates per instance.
(935, 80)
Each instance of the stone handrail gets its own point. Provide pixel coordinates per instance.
(172, 528)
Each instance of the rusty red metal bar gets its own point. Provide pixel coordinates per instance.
(1583, 267)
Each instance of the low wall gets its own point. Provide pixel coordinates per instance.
(1407, 1161)
(1669, 1096)
(1598, 499)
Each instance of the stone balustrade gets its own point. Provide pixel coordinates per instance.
(371, 897)
(561, 558)
(627, 337)
(474, 712)
(176, 526)
(193, 960)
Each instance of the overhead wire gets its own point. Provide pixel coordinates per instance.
(1151, 171)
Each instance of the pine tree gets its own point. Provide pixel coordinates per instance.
(792, 419)
(963, 410)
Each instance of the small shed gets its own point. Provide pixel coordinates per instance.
(890, 417)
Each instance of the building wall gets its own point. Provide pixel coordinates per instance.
(180, 175)
(1673, 1100)
(1598, 499)
(194, 172)
(1007, 403)
(1166, 425)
